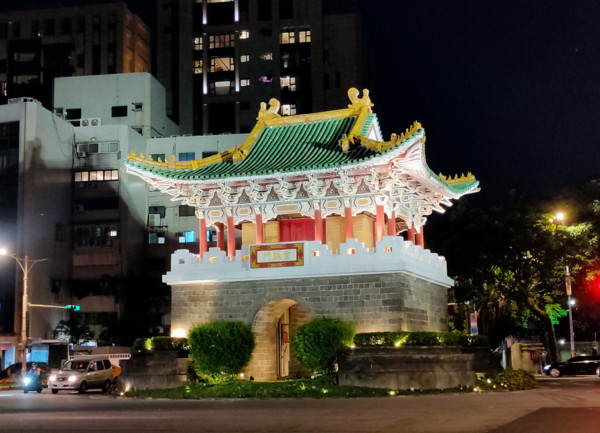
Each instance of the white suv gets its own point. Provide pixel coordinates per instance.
(82, 374)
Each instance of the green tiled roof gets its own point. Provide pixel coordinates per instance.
(280, 149)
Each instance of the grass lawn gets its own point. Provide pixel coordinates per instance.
(320, 387)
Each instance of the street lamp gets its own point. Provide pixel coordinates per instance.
(25, 264)
(571, 302)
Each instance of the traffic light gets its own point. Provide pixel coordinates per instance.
(72, 307)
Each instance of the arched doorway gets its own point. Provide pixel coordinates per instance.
(273, 326)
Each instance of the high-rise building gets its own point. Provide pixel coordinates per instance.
(39, 45)
(219, 59)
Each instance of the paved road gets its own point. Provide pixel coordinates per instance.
(558, 405)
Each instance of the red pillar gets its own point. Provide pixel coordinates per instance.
(391, 227)
(202, 236)
(259, 229)
(421, 238)
(318, 226)
(230, 238)
(411, 234)
(348, 220)
(220, 236)
(379, 223)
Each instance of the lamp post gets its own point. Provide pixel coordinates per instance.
(570, 301)
(25, 264)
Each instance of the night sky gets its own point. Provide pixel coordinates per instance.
(508, 90)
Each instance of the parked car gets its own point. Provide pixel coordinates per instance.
(587, 364)
(82, 374)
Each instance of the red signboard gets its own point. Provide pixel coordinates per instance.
(276, 255)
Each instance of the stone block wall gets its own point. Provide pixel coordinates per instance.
(153, 371)
(374, 302)
(391, 368)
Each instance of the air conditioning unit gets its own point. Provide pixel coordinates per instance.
(81, 154)
(78, 208)
(92, 121)
(60, 112)
(154, 219)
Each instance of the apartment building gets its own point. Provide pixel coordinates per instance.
(39, 45)
(219, 59)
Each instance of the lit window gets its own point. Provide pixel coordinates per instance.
(197, 44)
(219, 64)
(3, 88)
(244, 34)
(244, 82)
(96, 175)
(197, 66)
(304, 36)
(244, 58)
(221, 87)
(288, 37)
(288, 83)
(288, 109)
(266, 56)
(285, 60)
(221, 41)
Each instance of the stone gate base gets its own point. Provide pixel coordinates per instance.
(158, 370)
(403, 368)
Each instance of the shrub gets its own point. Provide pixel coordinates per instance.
(320, 343)
(515, 380)
(161, 344)
(141, 345)
(422, 339)
(221, 347)
(384, 339)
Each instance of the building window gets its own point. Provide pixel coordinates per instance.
(219, 64)
(158, 157)
(197, 44)
(304, 36)
(187, 237)
(288, 37)
(96, 175)
(244, 58)
(266, 56)
(73, 113)
(244, 34)
(187, 156)
(186, 211)
(49, 27)
(208, 153)
(66, 26)
(244, 82)
(197, 66)
(288, 83)
(156, 238)
(102, 147)
(288, 109)
(119, 111)
(221, 41)
(222, 88)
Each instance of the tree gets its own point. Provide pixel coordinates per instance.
(79, 333)
(509, 262)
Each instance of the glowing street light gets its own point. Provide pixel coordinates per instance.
(560, 217)
(25, 264)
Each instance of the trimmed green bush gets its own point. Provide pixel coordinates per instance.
(220, 347)
(141, 345)
(422, 339)
(515, 380)
(320, 343)
(161, 344)
(384, 339)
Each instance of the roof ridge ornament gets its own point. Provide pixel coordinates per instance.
(356, 102)
(272, 112)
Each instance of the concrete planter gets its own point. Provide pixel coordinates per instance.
(403, 368)
(158, 370)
